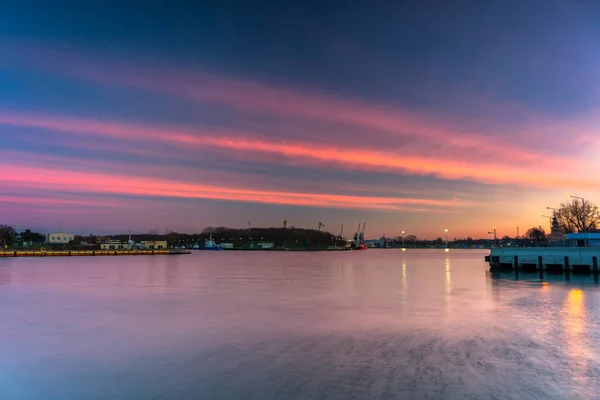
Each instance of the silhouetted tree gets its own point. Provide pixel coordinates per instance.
(536, 235)
(33, 237)
(576, 215)
(410, 239)
(7, 235)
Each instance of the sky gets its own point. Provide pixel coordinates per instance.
(414, 116)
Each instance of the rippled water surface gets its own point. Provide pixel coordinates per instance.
(380, 324)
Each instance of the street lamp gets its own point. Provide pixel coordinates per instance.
(446, 230)
(402, 238)
(494, 232)
(549, 220)
(583, 217)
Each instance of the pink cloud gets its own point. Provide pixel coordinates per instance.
(548, 174)
(471, 137)
(464, 135)
(89, 182)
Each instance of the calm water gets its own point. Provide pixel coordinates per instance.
(230, 325)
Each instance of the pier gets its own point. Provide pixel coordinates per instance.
(89, 253)
(555, 259)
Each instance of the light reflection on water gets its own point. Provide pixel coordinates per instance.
(228, 325)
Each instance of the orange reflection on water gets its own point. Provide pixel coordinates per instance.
(448, 286)
(576, 341)
(404, 283)
(448, 279)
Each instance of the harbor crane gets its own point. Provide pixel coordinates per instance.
(321, 225)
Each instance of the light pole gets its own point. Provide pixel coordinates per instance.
(554, 210)
(547, 216)
(583, 217)
(494, 232)
(402, 238)
(446, 230)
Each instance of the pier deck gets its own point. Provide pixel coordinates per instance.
(578, 259)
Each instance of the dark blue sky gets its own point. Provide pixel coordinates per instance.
(542, 53)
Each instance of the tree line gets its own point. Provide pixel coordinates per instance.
(574, 216)
(280, 237)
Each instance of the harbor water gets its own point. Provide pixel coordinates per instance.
(378, 324)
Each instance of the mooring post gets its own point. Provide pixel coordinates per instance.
(540, 266)
(516, 262)
(567, 269)
(595, 265)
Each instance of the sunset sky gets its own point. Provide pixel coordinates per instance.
(417, 117)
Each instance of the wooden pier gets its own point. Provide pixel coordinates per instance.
(88, 253)
(556, 259)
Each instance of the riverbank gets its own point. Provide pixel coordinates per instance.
(89, 253)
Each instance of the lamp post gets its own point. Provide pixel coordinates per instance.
(584, 217)
(494, 232)
(402, 238)
(554, 210)
(446, 230)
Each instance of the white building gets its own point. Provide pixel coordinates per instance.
(59, 238)
(116, 245)
(153, 244)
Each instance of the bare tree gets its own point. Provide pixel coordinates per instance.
(578, 216)
(7, 235)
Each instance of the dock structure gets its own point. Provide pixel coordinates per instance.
(567, 259)
(91, 253)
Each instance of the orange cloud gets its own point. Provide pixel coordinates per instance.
(402, 124)
(70, 181)
(36, 201)
(463, 137)
(504, 171)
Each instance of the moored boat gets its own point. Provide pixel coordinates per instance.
(209, 244)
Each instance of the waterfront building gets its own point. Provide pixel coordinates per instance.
(59, 238)
(116, 245)
(153, 244)
(578, 239)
